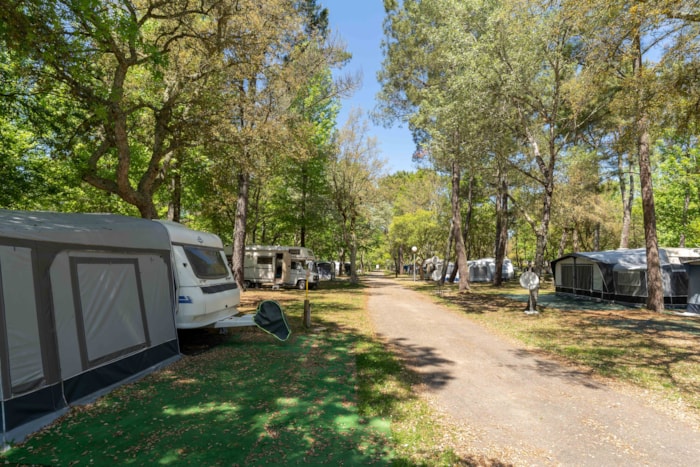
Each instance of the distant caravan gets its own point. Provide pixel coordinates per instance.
(279, 266)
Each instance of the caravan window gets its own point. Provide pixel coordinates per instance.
(584, 276)
(631, 283)
(567, 275)
(207, 263)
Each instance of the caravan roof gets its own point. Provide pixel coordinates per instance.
(636, 258)
(184, 235)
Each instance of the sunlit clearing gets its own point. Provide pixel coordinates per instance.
(287, 401)
(183, 381)
(201, 409)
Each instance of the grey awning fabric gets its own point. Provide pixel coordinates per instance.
(84, 229)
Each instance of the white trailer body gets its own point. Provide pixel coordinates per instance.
(208, 295)
(279, 266)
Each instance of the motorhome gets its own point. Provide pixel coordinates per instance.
(279, 266)
(207, 292)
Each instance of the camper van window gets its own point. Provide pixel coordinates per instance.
(265, 260)
(206, 263)
(294, 251)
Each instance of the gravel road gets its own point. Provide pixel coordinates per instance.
(520, 407)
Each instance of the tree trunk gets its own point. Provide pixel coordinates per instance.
(543, 228)
(302, 208)
(397, 262)
(448, 253)
(460, 248)
(562, 242)
(353, 256)
(239, 228)
(686, 206)
(627, 196)
(468, 216)
(341, 271)
(175, 205)
(547, 171)
(655, 291)
(501, 226)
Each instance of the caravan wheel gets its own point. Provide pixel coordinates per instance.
(246, 285)
(301, 285)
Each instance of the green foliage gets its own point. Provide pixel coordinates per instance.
(530, 89)
(420, 229)
(676, 188)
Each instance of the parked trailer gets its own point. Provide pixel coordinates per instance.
(86, 303)
(279, 266)
(92, 301)
(208, 295)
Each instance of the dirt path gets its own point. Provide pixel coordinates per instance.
(521, 407)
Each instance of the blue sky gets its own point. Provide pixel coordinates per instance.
(358, 23)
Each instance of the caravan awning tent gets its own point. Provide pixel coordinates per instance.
(693, 268)
(620, 275)
(86, 303)
(484, 270)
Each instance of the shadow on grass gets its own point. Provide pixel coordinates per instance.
(248, 401)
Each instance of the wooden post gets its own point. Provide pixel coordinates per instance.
(307, 313)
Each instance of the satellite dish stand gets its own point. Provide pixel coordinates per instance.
(531, 282)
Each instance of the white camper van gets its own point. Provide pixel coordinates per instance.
(279, 266)
(207, 292)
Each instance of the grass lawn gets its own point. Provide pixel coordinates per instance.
(330, 395)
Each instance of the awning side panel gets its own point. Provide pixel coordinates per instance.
(26, 370)
(158, 297)
(110, 309)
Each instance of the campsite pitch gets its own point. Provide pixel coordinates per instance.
(250, 400)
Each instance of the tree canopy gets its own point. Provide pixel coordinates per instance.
(545, 126)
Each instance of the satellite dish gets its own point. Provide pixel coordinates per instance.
(529, 280)
(435, 260)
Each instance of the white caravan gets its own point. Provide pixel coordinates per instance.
(207, 292)
(279, 266)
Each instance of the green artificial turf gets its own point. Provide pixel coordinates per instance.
(249, 401)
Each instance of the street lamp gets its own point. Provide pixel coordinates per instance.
(414, 249)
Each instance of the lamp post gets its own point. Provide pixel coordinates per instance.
(414, 249)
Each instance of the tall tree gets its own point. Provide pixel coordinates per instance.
(624, 33)
(353, 177)
(416, 83)
(256, 127)
(138, 72)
